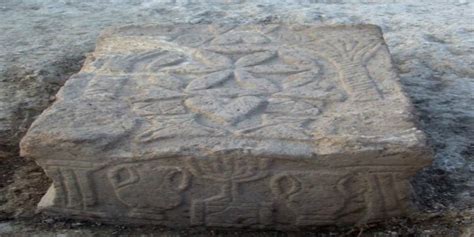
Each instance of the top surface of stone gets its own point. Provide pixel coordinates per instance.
(271, 90)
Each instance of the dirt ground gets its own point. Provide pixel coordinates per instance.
(43, 42)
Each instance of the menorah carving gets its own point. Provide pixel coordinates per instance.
(227, 207)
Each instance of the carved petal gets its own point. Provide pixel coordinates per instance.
(275, 69)
(161, 80)
(192, 40)
(178, 127)
(239, 108)
(300, 79)
(191, 69)
(173, 131)
(224, 110)
(165, 61)
(220, 29)
(293, 57)
(255, 38)
(130, 63)
(209, 80)
(213, 59)
(151, 61)
(247, 81)
(226, 39)
(255, 58)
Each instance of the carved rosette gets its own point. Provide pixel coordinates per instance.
(234, 83)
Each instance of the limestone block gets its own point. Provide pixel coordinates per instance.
(261, 126)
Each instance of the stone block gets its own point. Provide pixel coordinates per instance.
(260, 126)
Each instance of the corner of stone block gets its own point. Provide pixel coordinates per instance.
(424, 149)
(30, 144)
(24, 146)
(373, 27)
(47, 201)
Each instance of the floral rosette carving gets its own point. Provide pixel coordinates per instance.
(236, 83)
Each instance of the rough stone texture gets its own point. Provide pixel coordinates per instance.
(268, 126)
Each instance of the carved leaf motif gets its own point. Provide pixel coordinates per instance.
(209, 80)
(225, 39)
(151, 61)
(172, 131)
(191, 69)
(163, 80)
(220, 29)
(255, 38)
(224, 110)
(246, 80)
(276, 69)
(371, 51)
(178, 126)
(131, 62)
(239, 108)
(255, 58)
(297, 58)
(300, 79)
(192, 40)
(213, 59)
(166, 60)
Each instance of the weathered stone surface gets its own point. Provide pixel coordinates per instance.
(266, 126)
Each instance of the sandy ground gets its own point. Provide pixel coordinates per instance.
(432, 42)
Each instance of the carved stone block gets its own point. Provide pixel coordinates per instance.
(262, 126)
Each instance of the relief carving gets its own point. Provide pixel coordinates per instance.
(149, 190)
(314, 197)
(148, 62)
(388, 194)
(73, 187)
(227, 208)
(212, 96)
(241, 93)
(252, 82)
(100, 88)
(351, 57)
(231, 126)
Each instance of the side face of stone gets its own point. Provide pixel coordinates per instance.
(265, 126)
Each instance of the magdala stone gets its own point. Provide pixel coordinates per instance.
(261, 126)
